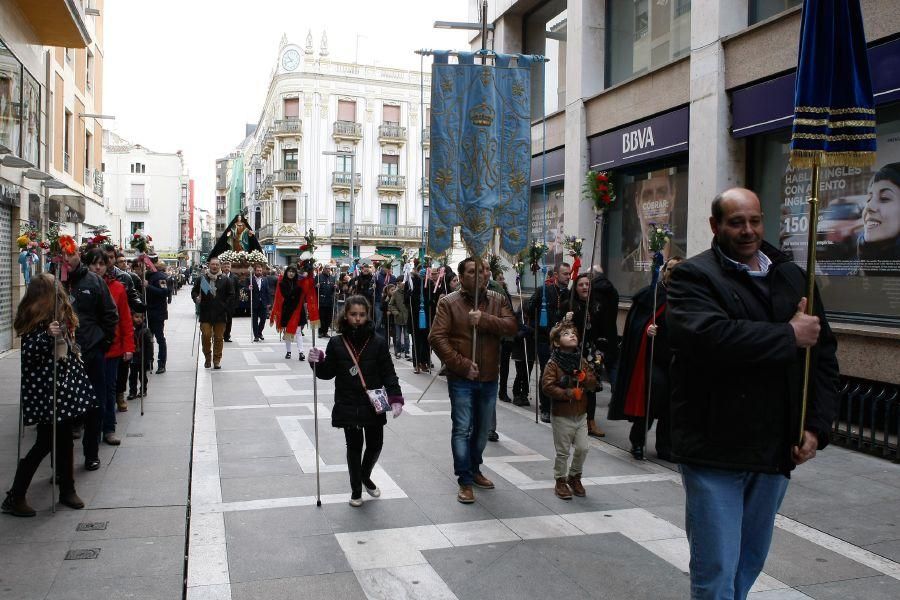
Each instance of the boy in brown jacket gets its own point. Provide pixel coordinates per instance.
(566, 377)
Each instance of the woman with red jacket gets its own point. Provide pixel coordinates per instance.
(295, 289)
(122, 347)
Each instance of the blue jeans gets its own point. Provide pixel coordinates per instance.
(729, 516)
(401, 339)
(108, 397)
(471, 407)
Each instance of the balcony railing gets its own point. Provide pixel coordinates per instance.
(289, 127)
(391, 133)
(377, 231)
(266, 187)
(98, 182)
(347, 130)
(341, 179)
(66, 162)
(392, 182)
(137, 204)
(290, 177)
(265, 233)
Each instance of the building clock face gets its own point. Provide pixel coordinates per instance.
(290, 60)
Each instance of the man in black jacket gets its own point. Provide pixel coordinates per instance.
(738, 333)
(97, 321)
(261, 300)
(326, 285)
(156, 286)
(213, 292)
(557, 296)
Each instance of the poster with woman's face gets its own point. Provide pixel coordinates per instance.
(858, 231)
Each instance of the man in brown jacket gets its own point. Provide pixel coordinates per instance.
(471, 378)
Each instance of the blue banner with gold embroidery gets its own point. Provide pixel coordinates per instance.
(834, 110)
(480, 152)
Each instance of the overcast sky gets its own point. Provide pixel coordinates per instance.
(189, 74)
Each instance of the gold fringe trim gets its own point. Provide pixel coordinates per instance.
(833, 124)
(807, 159)
(838, 137)
(833, 111)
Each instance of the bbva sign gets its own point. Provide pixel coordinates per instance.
(637, 139)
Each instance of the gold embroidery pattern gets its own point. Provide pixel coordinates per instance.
(834, 138)
(833, 111)
(833, 124)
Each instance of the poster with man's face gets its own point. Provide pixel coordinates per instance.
(659, 198)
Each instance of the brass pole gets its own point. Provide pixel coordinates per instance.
(810, 286)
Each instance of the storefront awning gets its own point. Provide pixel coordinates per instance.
(56, 22)
(549, 167)
(648, 140)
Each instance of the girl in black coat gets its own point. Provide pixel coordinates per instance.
(352, 410)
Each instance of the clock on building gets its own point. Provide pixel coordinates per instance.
(290, 60)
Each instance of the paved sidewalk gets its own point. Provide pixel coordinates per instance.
(139, 494)
(256, 532)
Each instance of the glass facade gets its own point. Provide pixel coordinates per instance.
(645, 34)
(645, 194)
(760, 10)
(548, 223)
(10, 101)
(545, 34)
(858, 233)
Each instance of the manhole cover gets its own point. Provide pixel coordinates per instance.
(134, 435)
(83, 554)
(92, 526)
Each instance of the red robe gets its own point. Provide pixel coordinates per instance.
(309, 296)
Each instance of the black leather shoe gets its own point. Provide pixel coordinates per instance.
(545, 417)
(493, 437)
(637, 452)
(301, 356)
(262, 339)
(521, 401)
(287, 354)
(160, 370)
(91, 464)
(504, 398)
(228, 339)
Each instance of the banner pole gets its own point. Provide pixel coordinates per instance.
(810, 288)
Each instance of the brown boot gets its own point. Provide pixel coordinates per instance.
(575, 483)
(70, 498)
(562, 490)
(121, 404)
(594, 430)
(17, 506)
(465, 494)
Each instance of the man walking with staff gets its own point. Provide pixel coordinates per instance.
(471, 375)
(738, 330)
(213, 292)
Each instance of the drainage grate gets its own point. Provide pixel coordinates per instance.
(92, 526)
(83, 554)
(134, 435)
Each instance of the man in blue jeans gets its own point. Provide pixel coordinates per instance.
(471, 376)
(738, 331)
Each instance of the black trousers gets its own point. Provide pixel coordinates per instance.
(663, 434)
(227, 335)
(360, 464)
(122, 379)
(326, 314)
(95, 366)
(134, 374)
(158, 328)
(29, 464)
(258, 318)
(506, 348)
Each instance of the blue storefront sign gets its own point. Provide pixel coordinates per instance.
(648, 140)
(269, 248)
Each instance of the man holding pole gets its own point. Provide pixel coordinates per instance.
(466, 337)
(738, 331)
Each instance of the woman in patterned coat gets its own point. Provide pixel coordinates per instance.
(45, 314)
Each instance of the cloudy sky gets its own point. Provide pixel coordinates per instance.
(189, 74)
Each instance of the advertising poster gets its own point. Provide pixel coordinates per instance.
(555, 227)
(657, 197)
(858, 231)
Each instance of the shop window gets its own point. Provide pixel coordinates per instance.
(643, 35)
(858, 245)
(547, 223)
(646, 194)
(31, 119)
(545, 33)
(760, 10)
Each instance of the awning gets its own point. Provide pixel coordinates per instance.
(56, 22)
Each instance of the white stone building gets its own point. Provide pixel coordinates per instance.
(144, 192)
(316, 105)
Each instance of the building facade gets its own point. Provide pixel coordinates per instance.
(314, 106)
(679, 100)
(51, 67)
(146, 191)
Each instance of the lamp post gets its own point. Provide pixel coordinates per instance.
(352, 155)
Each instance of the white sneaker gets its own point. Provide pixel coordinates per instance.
(356, 502)
(374, 492)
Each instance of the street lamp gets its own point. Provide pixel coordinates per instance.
(352, 155)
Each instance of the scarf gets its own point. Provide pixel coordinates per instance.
(569, 362)
(358, 336)
(210, 287)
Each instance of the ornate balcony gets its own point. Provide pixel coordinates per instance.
(340, 180)
(347, 130)
(265, 234)
(377, 232)
(391, 134)
(137, 204)
(392, 184)
(266, 186)
(287, 178)
(268, 143)
(288, 128)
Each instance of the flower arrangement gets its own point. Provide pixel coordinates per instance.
(99, 237)
(536, 253)
(310, 245)
(659, 236)
(59, 244)
(256, 257)
(29, 237)
(495, 264)
(598, 188)
(140, 242)
(574, 245)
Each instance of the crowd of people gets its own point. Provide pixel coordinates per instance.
(712, 352)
